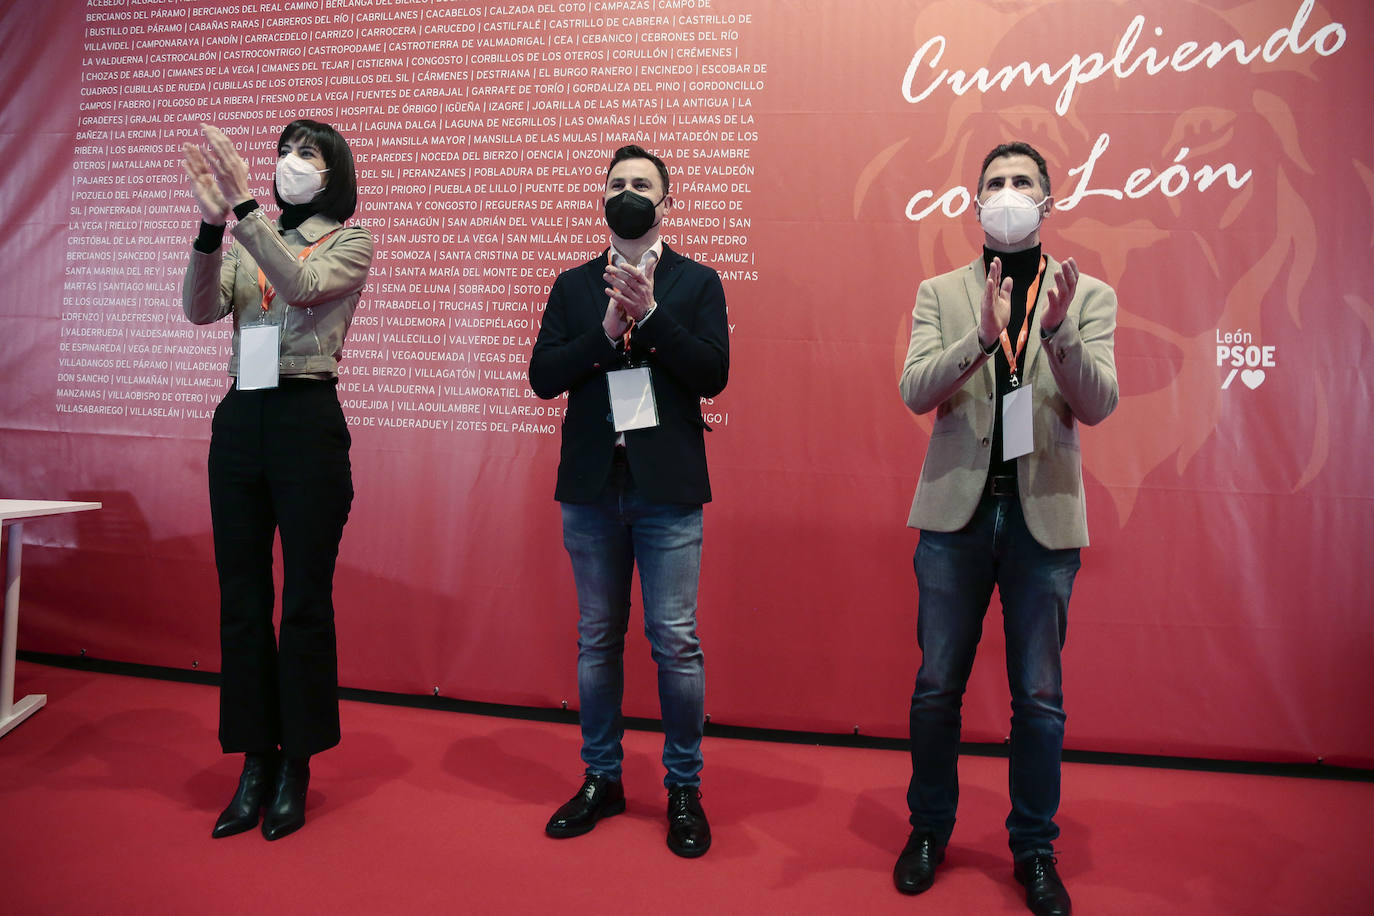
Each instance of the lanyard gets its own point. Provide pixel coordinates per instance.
(1031, 296)
(268, 293)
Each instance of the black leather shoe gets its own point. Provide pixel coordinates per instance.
(1045, 893)
(599, 797)
(254, 783)
(915, 869)
(688, 833)
(286, 813)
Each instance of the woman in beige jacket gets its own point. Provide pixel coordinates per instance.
(278, 450)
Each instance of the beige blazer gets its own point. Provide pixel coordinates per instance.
(1073, 375)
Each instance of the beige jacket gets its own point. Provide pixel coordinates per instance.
(315, 298)
(1073, 375)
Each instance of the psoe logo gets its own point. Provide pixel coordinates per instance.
(1238, 350)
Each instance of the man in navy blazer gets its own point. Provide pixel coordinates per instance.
(649, 324)
(1012, 352)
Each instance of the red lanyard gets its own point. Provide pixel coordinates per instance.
(268, 293)
(1031, 295)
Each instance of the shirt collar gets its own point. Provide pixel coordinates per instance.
(654, 251)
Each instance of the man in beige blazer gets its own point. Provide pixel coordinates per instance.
(1000, 502)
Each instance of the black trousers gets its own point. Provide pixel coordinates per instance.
(279, 462)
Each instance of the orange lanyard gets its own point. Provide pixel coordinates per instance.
(268, 293)
(1031, 295)
(631, 326)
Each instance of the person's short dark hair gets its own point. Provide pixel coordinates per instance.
(339, 199)
(1016, 148)
(638, 152)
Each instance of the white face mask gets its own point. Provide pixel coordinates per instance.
(1009, 216)
(297, 180)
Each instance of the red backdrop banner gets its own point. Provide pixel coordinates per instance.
(1210, 159)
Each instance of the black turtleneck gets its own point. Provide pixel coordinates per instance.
(1022, 267)
(292, 215)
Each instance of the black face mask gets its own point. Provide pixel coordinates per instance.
(630, 215)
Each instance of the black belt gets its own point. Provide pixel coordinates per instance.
(1001, 485)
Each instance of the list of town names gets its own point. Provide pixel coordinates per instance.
(481, 135)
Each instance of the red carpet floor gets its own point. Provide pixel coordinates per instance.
(107, 796)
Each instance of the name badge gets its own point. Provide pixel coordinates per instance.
(1018, 430)
(632, 399)
(259, 356)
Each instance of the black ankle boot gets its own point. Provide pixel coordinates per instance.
(259, 770)
(286, 812)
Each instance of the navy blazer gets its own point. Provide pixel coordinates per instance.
(685, 344)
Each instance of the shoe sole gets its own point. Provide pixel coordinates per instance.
(564, 833)
(230, 828)
(920, 887)
(222, 831)
(688, 853)
(277, 832)
(915, 889)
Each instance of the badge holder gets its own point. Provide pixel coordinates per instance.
(1018, 428)
(259, 356)
(632, 399)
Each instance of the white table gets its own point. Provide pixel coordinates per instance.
(13, 512)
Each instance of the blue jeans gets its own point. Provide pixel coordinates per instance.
(955, 573)
(606, 540)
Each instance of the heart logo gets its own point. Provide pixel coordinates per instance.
(1252, 378)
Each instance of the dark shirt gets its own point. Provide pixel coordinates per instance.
(1022, 267)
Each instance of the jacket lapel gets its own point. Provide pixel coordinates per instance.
(975, 278)
(666, 274)
(596, 298)
(1041, 303)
